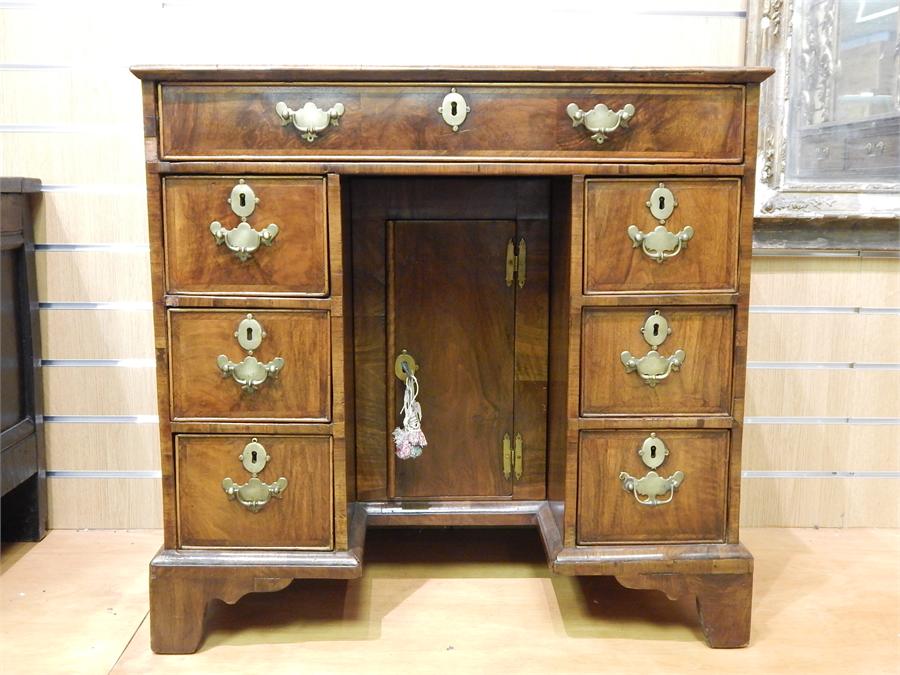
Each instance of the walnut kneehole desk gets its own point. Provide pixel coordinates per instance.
(561, 256)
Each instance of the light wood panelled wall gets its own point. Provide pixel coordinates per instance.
(70, 114)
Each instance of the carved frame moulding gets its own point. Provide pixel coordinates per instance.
(823, 157)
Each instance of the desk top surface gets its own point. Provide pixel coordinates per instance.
(494, 74)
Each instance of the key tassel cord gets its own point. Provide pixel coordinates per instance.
(409, 439)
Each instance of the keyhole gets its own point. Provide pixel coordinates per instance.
(652, 452)
(655, 329)
(662, 203)
(453, 108)
(249, 334)
(253, 456)
(243, 199)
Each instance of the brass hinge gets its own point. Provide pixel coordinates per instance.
(512, 457)
(507, 457)
(517, 459)
(515, 263)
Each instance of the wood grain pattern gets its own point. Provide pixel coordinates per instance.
(608, 513)
(104, 503)
(202, 120)
(156, 237)
(557, 404)
(342, 427)
(73, 159)
(815, 392)
(421, 166)
(723, 602)
(742, 314)
(235, 73)
(88, 446)
(93, 276)
(302, 517)
(374, 202)
(826, 282)
(702, 385)
(532, 354)
(393, 121)
(819, 447)
(71, 96)
(96, 334)
(461, 572)
(296, 261)
(820, 502)
(467, 385)
(818, 338)
(89, 390)
(708, 261)
(91, 218)
(302, 390)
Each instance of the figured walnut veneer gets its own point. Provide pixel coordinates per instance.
(393, 231)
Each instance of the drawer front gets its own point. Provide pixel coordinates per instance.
(701, 384)
(248, 260)
(691, 245)
(297, 513)
(670, 123)
(611, 509)
(207, 387)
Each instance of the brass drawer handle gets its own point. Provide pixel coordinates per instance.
(652, 487)
(310, 120)
(653, 453)
(600, 120)
(660, 244)
(653, 367)
(243, 240)
(250, 373)
(254, 494)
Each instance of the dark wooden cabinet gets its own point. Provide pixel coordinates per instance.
(563, 252)
(22, 465)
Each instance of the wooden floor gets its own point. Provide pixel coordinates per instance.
(480, 601)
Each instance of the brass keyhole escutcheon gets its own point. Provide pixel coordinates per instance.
(656, 329)
(249, 334)
(661, 203)
(653, 451)
(453, 109)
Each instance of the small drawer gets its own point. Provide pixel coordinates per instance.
(688, 123)
(700, 338)
(613, 507)
(215, 376)
(220, 237)
(661, 235)
(288, 505)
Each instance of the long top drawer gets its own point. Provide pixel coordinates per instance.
(527, 122)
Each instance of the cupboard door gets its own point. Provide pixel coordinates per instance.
(449, 306)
